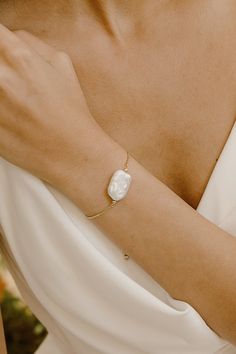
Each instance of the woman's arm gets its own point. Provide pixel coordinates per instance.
(192, 258)
(45, 117)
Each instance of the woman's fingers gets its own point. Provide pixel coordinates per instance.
(44, 50)
(8, 40)
(21, 49)
(20, 44)
(49, 54)
(13, 50)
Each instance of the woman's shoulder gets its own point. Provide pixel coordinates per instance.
(213, 18)
(214, 24)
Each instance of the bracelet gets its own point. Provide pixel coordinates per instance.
(117, 188)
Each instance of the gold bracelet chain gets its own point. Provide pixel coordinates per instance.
(113, 203)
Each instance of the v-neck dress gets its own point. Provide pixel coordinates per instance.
(77, 282)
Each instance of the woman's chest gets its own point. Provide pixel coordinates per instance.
(168, 97)
(173, 118)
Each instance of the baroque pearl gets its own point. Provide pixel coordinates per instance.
(119, 185)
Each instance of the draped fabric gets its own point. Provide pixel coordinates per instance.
(77, 282)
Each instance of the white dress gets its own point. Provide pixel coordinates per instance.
(78, 283)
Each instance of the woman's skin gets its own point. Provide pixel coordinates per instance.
(160, 82)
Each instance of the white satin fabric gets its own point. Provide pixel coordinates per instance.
(77, 282)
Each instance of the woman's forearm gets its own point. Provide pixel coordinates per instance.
(192, 258)
(189, 256)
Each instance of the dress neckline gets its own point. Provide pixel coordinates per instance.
(216, 177)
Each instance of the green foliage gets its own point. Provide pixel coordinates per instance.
(24, 333)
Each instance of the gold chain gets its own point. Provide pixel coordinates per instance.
(113, 203)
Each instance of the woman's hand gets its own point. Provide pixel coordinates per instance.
(44, 117)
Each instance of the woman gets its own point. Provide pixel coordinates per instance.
(147, 87)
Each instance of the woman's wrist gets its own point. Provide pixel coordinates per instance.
(85, 174)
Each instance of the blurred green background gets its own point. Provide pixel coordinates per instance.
(23, 331)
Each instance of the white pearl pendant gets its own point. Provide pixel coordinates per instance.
(119, 185)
